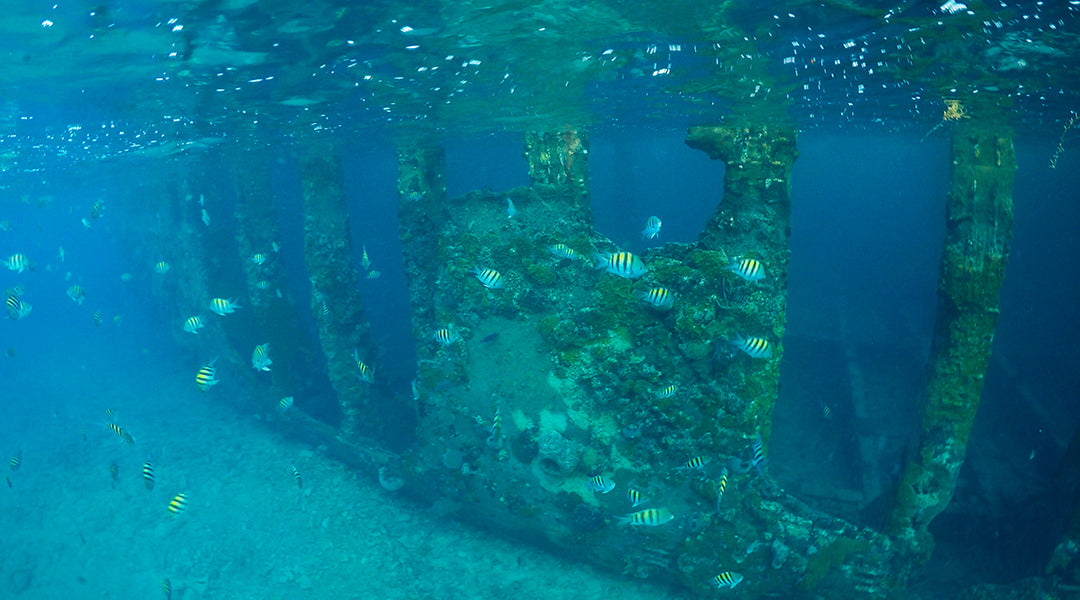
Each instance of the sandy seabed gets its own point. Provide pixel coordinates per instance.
(72, 530)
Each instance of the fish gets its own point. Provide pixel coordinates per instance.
(148, 474)
(285, 403)
(166, 588)
(374, 274)
(652, 228)
(696, 463)
(16, 308)
(748, 268)
(622, 264)
(562, 251)
(496, 422)
(16, 461)
(728, 579)
(193, 324)
(296, 475)
(5, 225)
(634, 497)
(667, 392)
(121, 433)
(7, 480)
(221, 306)
(161, 267)
(258, 258)
(97, 318)
(721, 487)
(659, 298)
(76, 293)
(205, 379)
(364, 260)
(17, 262)
(490, 278)
(826, 411)
(510, 210)
(491, 337)
(60, 253)
(446, 336)
(178, 505)
(600, 484)
(205, 217)
(755, 347)
(114, 472)
(415, 391)
(366, 374)
(650, 517)
(262, 284)
(757, 450)
(260, 357)
(125, 277)
(97, 209)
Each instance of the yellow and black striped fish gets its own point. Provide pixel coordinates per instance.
(446, 336)
(622, 264)
(296, 475)
(721, 487)
(667, 392)
(76, 293)
(97, 209)
(18, 263)
(696, 463)
(205, 379)
(285, 403)
(562, 251)
(728, 579)
(755, 347)
(601, 484)
(178, 505)
(166, 588)
(650, 517)
(148, 474)
(658, 298)
(123, 435)
(16, 461)
(16, 308)
(490, 278)
(366, 374)
(634, 497)
(748, 268)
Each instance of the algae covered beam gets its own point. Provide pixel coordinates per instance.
(752, 222)
(979, 219)
(339, 313)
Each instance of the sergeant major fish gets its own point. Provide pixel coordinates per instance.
(260, 357)
(650, 517)
(622, 264)
(600, 484)
(193, 324)
(221, 306)
(490, 278)
(658, 298)
(652, 228)
(747, 268)
(205, 378)
(755, 347)
(727, 579)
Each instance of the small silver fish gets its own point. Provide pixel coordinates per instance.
(652, 228)
(205, 216)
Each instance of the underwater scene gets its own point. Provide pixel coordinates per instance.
(576, 299)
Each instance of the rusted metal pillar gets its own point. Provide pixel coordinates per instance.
(979, 221)
(339, 313)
